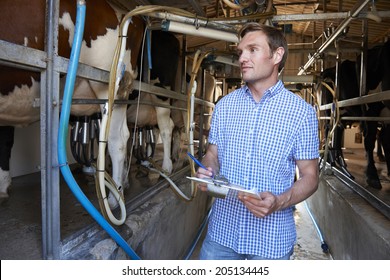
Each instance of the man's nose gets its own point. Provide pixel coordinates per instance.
(243, 57)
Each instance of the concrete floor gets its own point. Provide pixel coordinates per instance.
(308, 246)
(20, 237)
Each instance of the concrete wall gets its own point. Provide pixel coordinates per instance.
(163, 227)
(353, 138)
(351, 227)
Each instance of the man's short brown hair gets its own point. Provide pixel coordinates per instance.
(274, 36)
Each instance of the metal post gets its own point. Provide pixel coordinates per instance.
(201, 117)
(183, 80)
(363, 60)
(51, 239)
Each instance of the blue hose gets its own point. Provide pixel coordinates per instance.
(149, 47)
(63, 133)
(324, 246)
(198, 235)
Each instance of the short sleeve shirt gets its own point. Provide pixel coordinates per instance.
(258, 145)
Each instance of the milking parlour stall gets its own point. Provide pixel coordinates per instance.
(105, 110)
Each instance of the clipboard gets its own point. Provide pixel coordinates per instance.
(224, 189)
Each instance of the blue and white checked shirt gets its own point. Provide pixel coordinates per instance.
(258, 144)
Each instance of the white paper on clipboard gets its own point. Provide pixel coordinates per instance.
(233, 189)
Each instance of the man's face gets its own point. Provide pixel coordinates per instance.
(256, 59)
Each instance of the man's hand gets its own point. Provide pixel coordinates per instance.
(204, 173)
(261, 206)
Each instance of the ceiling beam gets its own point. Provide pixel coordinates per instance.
(142, 2)
(197, 7)
(298, 3)
(323, 16)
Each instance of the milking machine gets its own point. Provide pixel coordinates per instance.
(84, 130)
(84, 133)
(63, 129)
(144, 144)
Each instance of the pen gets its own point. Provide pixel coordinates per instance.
(199, 163)
(196, 161)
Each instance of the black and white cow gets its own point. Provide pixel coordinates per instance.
(24, 24)
(378, 73)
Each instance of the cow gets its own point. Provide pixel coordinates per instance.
(378, 74)
(165, 50)
(164, 54)
(25, 25)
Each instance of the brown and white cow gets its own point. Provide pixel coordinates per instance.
(166, 68)
(24, 24)
(164, 54)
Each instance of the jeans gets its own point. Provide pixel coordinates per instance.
(212, 250)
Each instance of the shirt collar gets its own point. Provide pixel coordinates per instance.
(272, 91)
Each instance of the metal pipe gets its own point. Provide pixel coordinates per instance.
(183, 28)
(374, 97)
(373, 119)
(297, 79)
(201, 120)
(183, 80)
(363, 60)
(18, 54)
(129, 102)
(340, 29)
(324, 16)
(193, 21)
(49, 125)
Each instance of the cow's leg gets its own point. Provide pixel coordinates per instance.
(379, 150)
(6, 143)
(165, 125)
(176, 141)
(372, 178)
(118, 137)
(117, 146)
(386, 145)
(337, 152)
(385, 135)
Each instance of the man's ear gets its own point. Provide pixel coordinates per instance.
(278, 55)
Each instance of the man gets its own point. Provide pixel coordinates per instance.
(259, 135)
